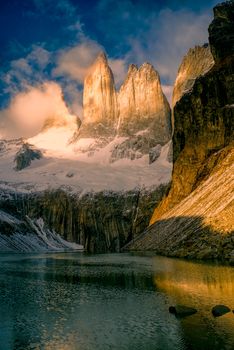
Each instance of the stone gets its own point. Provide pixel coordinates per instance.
(182, 310)
(220, 310)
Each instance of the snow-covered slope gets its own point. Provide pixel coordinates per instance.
(30, 235)
(72, 169)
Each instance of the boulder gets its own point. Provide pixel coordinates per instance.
(220, 310)
(182, 310)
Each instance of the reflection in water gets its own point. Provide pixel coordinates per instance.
(113, 301)
(201, 286)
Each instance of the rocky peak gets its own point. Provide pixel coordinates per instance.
(101, 58)
(139, 112)
(142, 104)
(221, 31)
(99, 100)
(196, 62)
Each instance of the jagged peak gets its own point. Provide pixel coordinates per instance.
(148, 67)
(132, 69)
(101, 57)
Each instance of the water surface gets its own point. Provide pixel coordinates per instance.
(114, 301)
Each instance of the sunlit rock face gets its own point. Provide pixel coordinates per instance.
(195, 219)
(143, 106)
(99, 101)
(201, 225)
(198, 61)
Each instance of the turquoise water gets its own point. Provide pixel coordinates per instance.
(113, 301)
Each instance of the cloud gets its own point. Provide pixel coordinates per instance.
(26, 71)
(147, 33)
(119, 69)
(168, 90)
(179, 31)
(74, 62)
(30, 111)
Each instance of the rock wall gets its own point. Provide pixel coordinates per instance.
(101, 222)
(202, 225)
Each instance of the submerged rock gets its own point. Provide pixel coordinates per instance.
(182, 310)
(220, 310)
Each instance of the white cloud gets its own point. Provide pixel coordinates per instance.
(119, 69)
(74, 62)
(26, 71)
(168, 90)
(167, 39)
(30, 110)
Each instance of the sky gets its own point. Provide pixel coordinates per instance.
(48, 45)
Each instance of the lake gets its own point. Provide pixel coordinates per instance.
(78, 301)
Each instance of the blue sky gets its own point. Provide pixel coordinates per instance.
(56, 40)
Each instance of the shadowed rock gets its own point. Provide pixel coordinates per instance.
(26, 155)
(220, 310)
(182, 311)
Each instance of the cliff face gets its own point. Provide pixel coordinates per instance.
(203, 123)
(197, 61)
(201, 226)
(101, 222)
(203, 139)
(143, 106)
(99, 101)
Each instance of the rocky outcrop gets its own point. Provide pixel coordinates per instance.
(99, 101)
(195, 219)
(197, 61)
(101, 222)
(26, 155)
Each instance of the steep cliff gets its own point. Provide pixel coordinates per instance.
(142, 105)
(100, 222)
(99, 101)
(196, 62)
(202, 141)
(201, 226)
